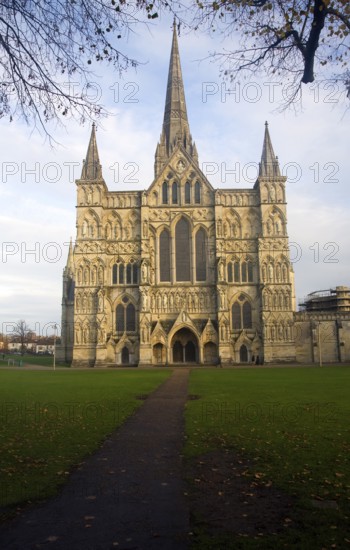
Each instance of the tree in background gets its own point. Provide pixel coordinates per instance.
(296, 41)
(45, 45)
(22, 333)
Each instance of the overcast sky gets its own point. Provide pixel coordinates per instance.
(38, 194)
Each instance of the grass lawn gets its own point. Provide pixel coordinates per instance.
(43, 360)
(50, 420)
(293, 426)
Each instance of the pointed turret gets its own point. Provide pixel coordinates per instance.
(68, 275)
(69, 268)
(92, 169)
(70, 255)
(176, 129)
(268, 167)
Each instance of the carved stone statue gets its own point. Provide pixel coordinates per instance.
(144, 272)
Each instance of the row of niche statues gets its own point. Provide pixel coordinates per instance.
(233, 229)
(234, 199)
(116, 231)
(90, 195)
(89, 301)
(85, 334)
(122, 201)
(85, 303)
(274, 227)
(272, 193)
(277, 300)
(172, 301)
(228, 229)
(90, 333)
(112, 231)
(278, 332)
(271, 273)
(90, 275)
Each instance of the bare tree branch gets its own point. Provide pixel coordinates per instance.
(294, 39)
(45, 44)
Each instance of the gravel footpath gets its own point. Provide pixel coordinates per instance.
(128, 495)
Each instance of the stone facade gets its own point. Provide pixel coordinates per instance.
(181, 272)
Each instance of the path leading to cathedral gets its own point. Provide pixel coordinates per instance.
(128, 495)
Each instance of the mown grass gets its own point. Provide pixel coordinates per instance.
(20, 360)
(50, 420)
(293, 424)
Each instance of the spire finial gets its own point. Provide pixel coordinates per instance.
(91, 166)
(269, 162)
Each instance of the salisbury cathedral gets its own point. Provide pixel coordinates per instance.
(181, 272)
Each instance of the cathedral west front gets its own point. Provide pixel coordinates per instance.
(181, 272)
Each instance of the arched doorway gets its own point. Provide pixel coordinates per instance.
(178, 355)
(243, 354)
(184, 347)
(190, 352)
(125, 356)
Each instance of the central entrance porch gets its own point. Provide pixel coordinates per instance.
(184, 347)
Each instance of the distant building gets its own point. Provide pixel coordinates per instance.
(337, 299)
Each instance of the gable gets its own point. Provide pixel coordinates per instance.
(181, 175)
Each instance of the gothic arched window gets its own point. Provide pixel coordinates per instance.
(130, 318)
(244, 272)
(201, 255)
(174, 193)
(247, 272)
(135, 274)
(229, 273)
(115, 274)
(183, 250)
(128, 274)
(247, 315)
(165, 192)
(241, 313)
(187, 192)
(164, 256)
(250, 272)
(121, 274)
(125, 316)
(197, 192)
(237, 271)
(236, 316)
(120, 325)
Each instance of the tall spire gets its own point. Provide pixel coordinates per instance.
(175, 124)
(269, 162)
(92, 169)
(176, 130)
